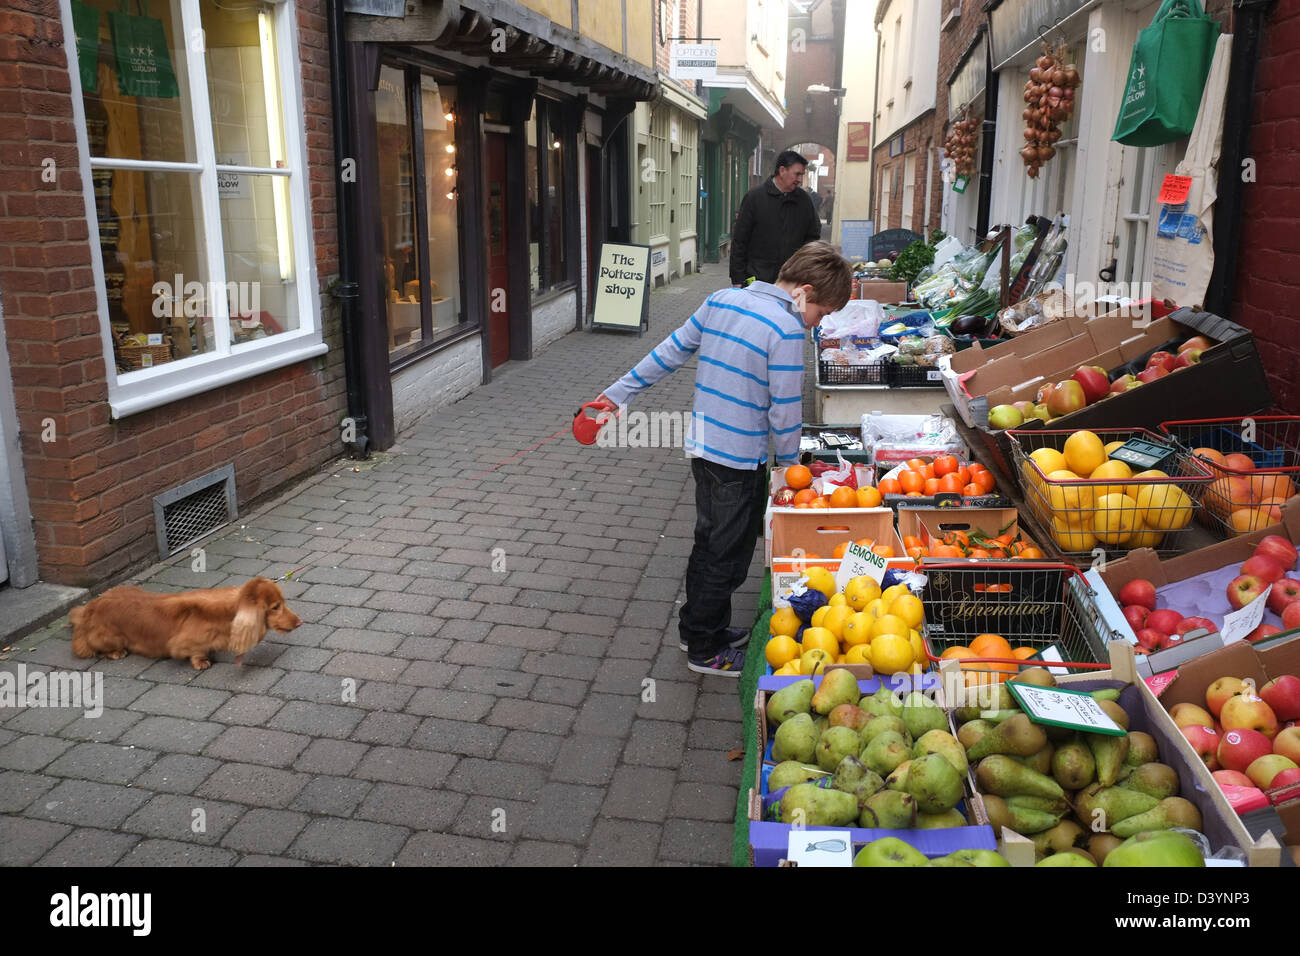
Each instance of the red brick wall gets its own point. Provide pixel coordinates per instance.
(1268, 271)
(953, 44)
(916, 137)
(686, 27)
(92, 487)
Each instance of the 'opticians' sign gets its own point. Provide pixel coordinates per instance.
(694, 61)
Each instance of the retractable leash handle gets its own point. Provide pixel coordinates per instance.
(586, 427)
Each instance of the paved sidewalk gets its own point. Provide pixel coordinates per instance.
(488, 672)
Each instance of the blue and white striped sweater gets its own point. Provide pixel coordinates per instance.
(749, 382)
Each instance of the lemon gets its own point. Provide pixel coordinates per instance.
(1115, 519)
(889, 624)
(891, 653)
(1072, 537)
(918, 646)
(819, 579)
(893, 592)
(877, 608)
(1084, 453)
(1133, 489)
(909, 608)
(789, 670)
(861, 591)
(1111, 446)
(781, 650)
(1110, 469)
(857, 629)
(784, 621)
(1144, 537)
(1164, 507)
(837, 600)
(1066, 493)
(858, 654)
(819, 637)
(834, 620)
(1048, 460)
(814, 662)
(819, 615)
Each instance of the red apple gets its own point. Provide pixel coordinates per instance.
(1149, 639)
(1205, 742)
(1164, 620)
(1248, 712)
(1138, 591)
(1263, 770)
(1169, 640)
(1232, 778)
(1244, 589)
(1196, 342)
(1186, 714)
(1240, 748)
(1184, 359)
(1136, 616)
(1283, 695)
(1287, 743)
(1262, 632)
(1124, 383)
(1263, 567)
(1195, 623)
(1151, 373)
(1159, 358)
(1284, 592)
(1217, 694)
(1287, 778)
(1291, 616)
(1279, 549)
(1239, 462)
(1066, 397)
(1094, 382)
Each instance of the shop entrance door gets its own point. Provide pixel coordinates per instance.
(498, 250)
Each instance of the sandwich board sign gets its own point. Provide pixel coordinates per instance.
(622, 287)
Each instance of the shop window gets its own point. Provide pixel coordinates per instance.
(198, 198)
(419, 201)
(658, 187)
(546, 167)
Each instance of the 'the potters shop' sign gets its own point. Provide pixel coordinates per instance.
(622, 286)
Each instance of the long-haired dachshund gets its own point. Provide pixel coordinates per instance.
(191, 625)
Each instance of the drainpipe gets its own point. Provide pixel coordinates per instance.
(346, 289)
(1247, 39)
(872, 211)
(988, 130)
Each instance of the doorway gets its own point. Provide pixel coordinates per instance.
(498, 249)
(595, 219)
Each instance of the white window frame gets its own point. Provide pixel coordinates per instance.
(132, 392)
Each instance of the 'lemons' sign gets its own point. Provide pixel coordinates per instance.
(622, 287)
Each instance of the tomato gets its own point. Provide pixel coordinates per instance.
(911, 481)
(950, 483)
(972, 490)
(946, 465)
(932, 486)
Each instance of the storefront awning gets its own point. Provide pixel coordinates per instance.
(969, 78)
(1016, 25)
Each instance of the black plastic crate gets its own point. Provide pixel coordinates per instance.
(835, 374)
(913, 376)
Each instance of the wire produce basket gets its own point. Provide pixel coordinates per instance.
(1106, 516)
(1241, 498)
(1047, 606)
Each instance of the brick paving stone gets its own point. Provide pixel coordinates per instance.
(374, 695)
(400, 623)
(194, 703)
(621, 676)
(486, 655)
(298, 659)
(537, 853)
(608, 715)
(492, 818)
(498, 778)
(549, 600)
(419, 768)
(622, 843)
(718, 707)
(336, 796)
(265, 831)
(407, 603)
(84, 803)
(41, 720)
(273, 748)
(704, 801)
(495, 594)
(104, 763)
(438, 849)
(587, 759)
(322, 720)
(349, 617)
(108, 726)
(432, 702)
(177, 773)
(696, 841)
(385, 728)
(24, 841)
(32, 752)
(458, 737)
(640, 793)
(154, 853)
(174, 816)
(308, 634)
(655, 743)
(121, 691)
(18, 790)
(350, 842)
(531, 715)
(432, 674)
(673, 700)
(365, 666)
(251, 709)
(564, 813)
(559, 690)
(413, 807)
(330, 756)
(527, 746)
(321, 688)
(708, 767)
(253, 785)
(87, 846)
(534, 639)
(360, 639)
(660, 589)
(491, 680)
(171, 734)
(345, 576)
(721, 735)
(583, 645)
(561, 665)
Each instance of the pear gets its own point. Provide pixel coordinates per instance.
(1040, 762)
(1059, 838)
(1141, 749)
(898, 779)
(878, 725)
(883, 703)
(885, 752)
(810, 805)
(838, 687)
(940, 821)
(1102, 807)
(969, 733)
(1157, 779)
(888, 810)
(1108, 752)
(945, 862)
(943, 743)
(792, 699)
(1038, 676)
(1046, 804)
(836, 744)
(922, 714)
(848, 715)
(990, 697)
(1067, 859)
(1004, 777)
(1115, 712)
(852, 776)
(1021, 819)
(889, 851)
(1169, 813)
(997, 716)
(822, 724)
(1018, 737)
(789, 772)
(796, 739)
(1100, 844)
(1109, 693)
(1156, 848)
(935, 784)
(980, 857)
(1073, 766)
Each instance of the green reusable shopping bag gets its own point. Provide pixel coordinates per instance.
(144, 65)
(1171, 60)
(85, 24)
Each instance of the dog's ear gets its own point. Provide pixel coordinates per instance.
(249, 624)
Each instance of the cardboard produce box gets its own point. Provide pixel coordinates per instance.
(1228, 372)
(931, 523)
(883, 291)
(817, 531)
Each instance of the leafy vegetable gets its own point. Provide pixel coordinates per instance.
(912, 260)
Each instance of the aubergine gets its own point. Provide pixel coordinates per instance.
(968, 325)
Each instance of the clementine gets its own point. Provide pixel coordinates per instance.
(798, 476)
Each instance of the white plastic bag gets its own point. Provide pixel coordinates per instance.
(860, 317)
(945, 251)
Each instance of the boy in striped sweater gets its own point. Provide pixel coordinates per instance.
(748, 389)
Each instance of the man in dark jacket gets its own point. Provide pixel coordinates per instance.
(774, 221)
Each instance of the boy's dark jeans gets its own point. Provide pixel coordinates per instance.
(729, 506)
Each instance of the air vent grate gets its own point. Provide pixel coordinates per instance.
(187, 513)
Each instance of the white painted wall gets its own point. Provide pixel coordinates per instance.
(909, 66)
(553, 320)
(853, 179)
(437, 381)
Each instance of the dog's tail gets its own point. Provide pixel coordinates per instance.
(80, 645)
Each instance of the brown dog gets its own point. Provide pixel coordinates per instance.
(191, 625)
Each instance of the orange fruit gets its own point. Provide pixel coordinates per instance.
(950, 483)
(963, 475)
(890, 486)
(917, 553)
(946, 465)
(958, 539)
(1031, 554)
(840, 549)
(991, 645)
(1023, 652)
(960, 651)
(945, 551)
(781, 650)
(931, 486)
(844, 498)
(869, 498)
(972, 490)
(916, 464)
(911, 481)
(803, 496)
(928, 472)
(822, 502)
(884, 550)
(798, 476)
(1271, 486)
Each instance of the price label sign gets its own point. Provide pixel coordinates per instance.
(857, 561)
(1240, 623)
(1064, 708)
(1174, 190)
(820, 847)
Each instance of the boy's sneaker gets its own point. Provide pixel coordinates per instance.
(728, 662)
(736, 637)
